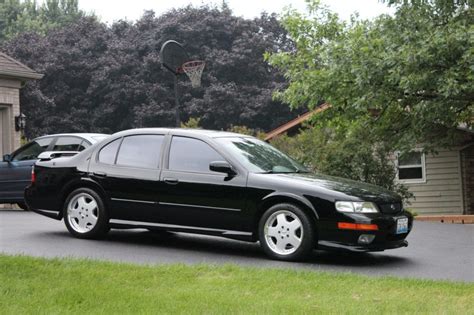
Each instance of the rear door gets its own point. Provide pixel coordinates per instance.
(194, 196)
(15, 175)
(128, 170)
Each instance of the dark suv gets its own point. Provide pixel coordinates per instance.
(15, 168)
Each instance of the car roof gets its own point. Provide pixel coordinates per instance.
(91, 137)
(182, 132)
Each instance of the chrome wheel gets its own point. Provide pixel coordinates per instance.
(82, 212)
(283, 232)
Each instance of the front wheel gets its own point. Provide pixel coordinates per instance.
(286, 233)
(85, 215)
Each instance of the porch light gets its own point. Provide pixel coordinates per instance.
(20, 122)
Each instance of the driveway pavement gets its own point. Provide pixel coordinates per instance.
(436, 251)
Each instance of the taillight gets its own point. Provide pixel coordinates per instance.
(33, 176)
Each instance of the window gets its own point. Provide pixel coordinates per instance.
(68, 144)
(187, 154)
(32, 150)
(411, 166)
(107, 154)
(140, 151)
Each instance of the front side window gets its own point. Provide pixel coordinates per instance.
(32, 150)
(192, 155)
(411, 166)
(68, 144)
(141, 151)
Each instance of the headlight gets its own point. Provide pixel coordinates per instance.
(356, 207)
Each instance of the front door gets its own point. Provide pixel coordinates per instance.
(194, 196)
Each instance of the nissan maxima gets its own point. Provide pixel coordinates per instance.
(216, 183)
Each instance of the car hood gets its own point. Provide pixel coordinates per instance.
(350, 188)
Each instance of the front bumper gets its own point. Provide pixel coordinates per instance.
(386, 237)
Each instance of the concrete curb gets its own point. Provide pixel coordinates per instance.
(456, 219)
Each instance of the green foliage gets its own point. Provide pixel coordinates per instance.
(17, 16)
(247, 131)
(355, 155)
(192, 123)
(413, 69)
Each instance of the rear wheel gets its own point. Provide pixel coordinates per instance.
(286, 233)
(85, 215)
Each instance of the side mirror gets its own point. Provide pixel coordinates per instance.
(222, 167)
(7, 158)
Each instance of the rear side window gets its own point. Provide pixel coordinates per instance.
(192, 155)
(140, 151)
(68, 144)
(107, 154)
(32, 150)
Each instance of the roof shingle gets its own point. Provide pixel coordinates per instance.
(12, 68)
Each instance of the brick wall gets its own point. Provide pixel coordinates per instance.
(10, 96)
(467, 166)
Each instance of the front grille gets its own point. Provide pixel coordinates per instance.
(391, 208)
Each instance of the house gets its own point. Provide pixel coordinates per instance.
(442, 183)
(13, 76)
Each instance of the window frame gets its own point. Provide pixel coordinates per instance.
(69, 136)
(166, 165)
(120, 139)
(422, 165)
(160, 155)
(23, 147)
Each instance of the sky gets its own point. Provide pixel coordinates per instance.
(112, 10)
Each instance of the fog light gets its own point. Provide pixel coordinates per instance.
(365, 239)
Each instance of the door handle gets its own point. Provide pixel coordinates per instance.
(171, 181)
(100, 174)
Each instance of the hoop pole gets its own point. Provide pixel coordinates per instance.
(176, 102)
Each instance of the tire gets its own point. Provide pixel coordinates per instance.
(23, 206)
(286, 233)
(85, 215)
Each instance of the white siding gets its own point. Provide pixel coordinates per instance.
(442, 191)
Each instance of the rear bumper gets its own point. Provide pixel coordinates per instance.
(33, 206)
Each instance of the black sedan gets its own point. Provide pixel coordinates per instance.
(215, 183)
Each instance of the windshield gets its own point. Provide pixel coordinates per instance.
(260, 157)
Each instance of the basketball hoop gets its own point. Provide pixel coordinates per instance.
(193, 70)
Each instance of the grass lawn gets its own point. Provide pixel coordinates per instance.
(46, 286)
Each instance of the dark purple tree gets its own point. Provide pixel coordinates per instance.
(108, 78)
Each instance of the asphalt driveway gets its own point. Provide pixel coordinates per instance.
(436, 251)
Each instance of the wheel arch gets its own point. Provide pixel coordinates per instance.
(82, 183)
(277, 198)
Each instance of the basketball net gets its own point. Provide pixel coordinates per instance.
(193, 70)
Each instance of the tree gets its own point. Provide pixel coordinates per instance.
(109, 78)
(408, 77)
(18, 16)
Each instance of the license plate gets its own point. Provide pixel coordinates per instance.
(402, 225)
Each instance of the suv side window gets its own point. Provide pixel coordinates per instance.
(108, 153)
(192, 155)
(32, 149)
(140, 151)
(68, 144)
